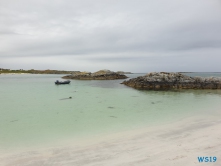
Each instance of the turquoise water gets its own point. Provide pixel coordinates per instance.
(33, 110)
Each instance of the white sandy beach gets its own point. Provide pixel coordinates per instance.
(178, 143)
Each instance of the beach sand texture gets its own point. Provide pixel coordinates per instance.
(177, 143)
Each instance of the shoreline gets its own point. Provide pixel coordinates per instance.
(12, 73)
(175, 143)
(28, 73)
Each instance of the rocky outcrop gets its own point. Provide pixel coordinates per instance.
(166, 81)
(99, 75)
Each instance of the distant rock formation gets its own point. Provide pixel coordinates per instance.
(32, 71)
(123, 72)
(99, 75)
(166, 81)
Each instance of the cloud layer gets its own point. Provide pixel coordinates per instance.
(138, 36)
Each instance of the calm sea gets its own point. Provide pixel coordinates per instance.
(35, 111)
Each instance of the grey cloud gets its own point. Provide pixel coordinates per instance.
(134, 29)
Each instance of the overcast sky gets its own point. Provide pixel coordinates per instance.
(128, 35)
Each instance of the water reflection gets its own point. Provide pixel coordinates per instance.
(182, 91)
(111, 83)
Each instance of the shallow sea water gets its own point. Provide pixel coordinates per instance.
(35, 111)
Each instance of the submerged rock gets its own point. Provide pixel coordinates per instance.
(99, 75)
(166, 81)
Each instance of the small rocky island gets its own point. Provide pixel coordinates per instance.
(170, 81)
(99, 75)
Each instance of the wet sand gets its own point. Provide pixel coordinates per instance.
(178, 143)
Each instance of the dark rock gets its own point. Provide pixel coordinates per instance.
(113, 116)
(166, 81)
